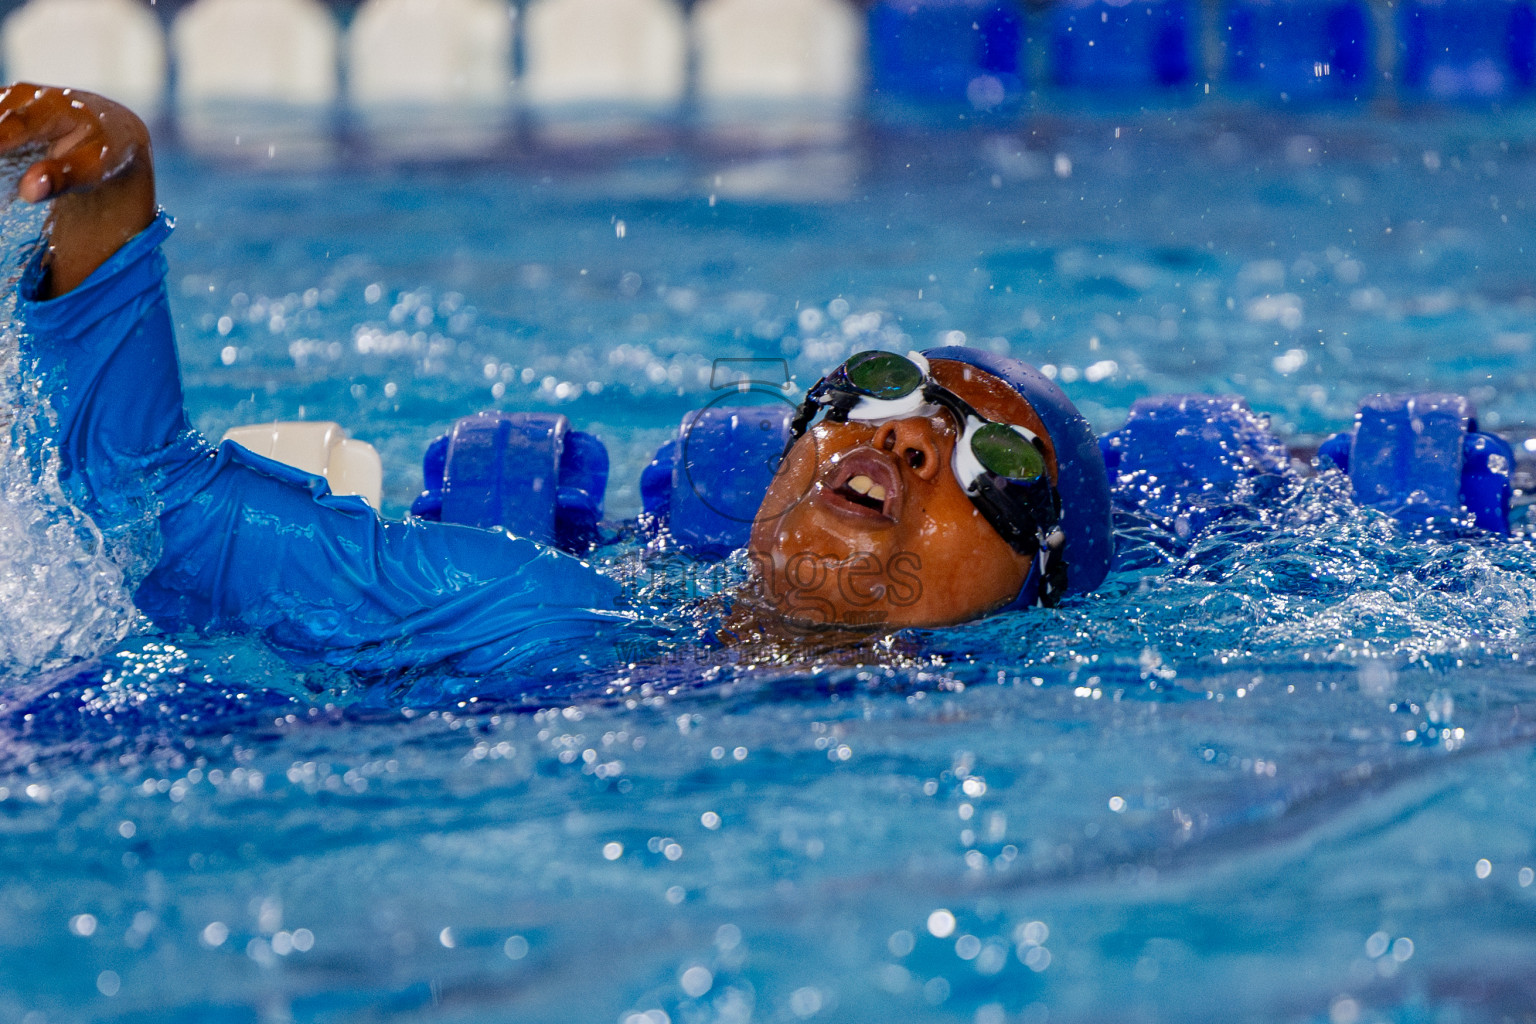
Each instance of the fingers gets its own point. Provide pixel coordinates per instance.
(80, 166)
(44, 180)
(35, 185)
(27, 111)
(87, 138)
(76, 160)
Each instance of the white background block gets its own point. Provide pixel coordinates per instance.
(114, 47)
(431, 51)
(265, 50)
(615, 50)
(779, 49)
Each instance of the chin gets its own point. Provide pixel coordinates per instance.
(843, 584)
(824, 610)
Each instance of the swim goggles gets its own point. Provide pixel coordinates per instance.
(1000, 466)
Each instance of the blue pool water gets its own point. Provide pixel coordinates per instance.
(1282, 771)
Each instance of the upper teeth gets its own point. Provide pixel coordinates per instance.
(864, 485)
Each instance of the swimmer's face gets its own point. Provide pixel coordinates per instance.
(866, 525)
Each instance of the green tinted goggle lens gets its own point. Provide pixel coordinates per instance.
(883, 375)
(1002, 450)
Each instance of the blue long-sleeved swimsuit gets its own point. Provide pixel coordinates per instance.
(249, 544)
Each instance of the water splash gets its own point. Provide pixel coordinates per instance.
(65, 592)
(1303, 579)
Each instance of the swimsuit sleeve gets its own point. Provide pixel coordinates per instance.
(251, 544)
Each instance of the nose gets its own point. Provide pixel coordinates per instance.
(912, 441)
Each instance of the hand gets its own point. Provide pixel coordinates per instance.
(98, 170)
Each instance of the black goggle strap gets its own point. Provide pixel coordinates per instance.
(1037, 498)
(1028, 515)
(824, 394)
(1022, 512)
(805, 414)
(963, 411)
(1046, 583)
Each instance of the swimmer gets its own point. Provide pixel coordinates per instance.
(918, 490)
(932, 489)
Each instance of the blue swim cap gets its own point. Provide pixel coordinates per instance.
(1082, 480)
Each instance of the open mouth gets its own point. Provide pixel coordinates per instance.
(865, 483)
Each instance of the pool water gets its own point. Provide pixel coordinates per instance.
(1280, 771)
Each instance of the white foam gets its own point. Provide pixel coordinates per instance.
(431, 52)
(114, 47)
(605, 51)
(274, 51)
(65, 588)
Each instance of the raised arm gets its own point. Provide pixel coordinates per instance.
(98, 170)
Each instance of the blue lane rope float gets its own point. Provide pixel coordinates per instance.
(1099, 45)
(1185, 457)
(1467, 49)
(528, 473)
(1421, 458)
(1190, 457)
(1300, 50)
(951, 52)
(704, 486)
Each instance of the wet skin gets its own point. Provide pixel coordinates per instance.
(866, 526)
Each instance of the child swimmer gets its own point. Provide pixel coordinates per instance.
(970, 472)
(917, 491)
